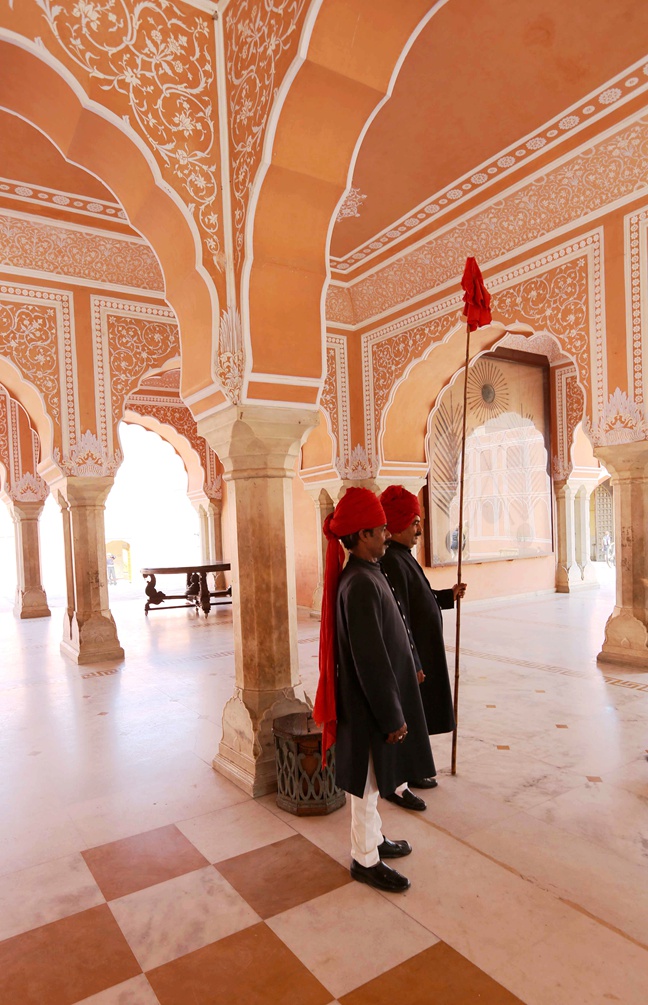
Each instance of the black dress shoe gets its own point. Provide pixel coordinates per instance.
(394, 849)
(407, 800)
(424, 783)
(380, 876)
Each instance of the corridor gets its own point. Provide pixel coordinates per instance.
(529, 871)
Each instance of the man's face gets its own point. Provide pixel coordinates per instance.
(411, 534)
(376, 541)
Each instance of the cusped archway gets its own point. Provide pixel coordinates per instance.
(39, 89)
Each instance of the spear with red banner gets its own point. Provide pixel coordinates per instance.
(477, 313)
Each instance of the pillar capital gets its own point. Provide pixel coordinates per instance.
(25, 510)
(624, 458)
(253, 440)
(322, 493)
(84, 491)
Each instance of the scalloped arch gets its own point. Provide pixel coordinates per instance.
(38, 88)
(405, 421)
(349, 58)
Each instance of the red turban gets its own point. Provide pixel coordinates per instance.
(400, 506)
(358, 509)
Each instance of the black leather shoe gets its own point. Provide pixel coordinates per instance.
(380, 876)
(394, 849)
(407, 800)
(424, 783)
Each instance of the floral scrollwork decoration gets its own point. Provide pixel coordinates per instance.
(260, 36)
(160, 58)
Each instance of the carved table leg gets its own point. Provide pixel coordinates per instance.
(155, 596)
(205, 599)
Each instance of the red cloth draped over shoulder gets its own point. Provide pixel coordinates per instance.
(358, 509)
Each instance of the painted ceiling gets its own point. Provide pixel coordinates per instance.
(479, 78)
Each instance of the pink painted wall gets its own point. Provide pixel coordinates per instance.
(499, 579)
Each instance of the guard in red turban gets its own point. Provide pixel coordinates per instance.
(401, 508)
(421, 606)
(368, 696)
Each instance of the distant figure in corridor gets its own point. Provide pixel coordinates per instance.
(606, 546)
(110, 565)
(374, 708)
(422, 607)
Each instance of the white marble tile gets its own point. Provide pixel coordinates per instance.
(457, 805)
(45, 893)
(478, 907)
(28, 839)
(609, 817)
(331, 933)
(571, 867)
(633, 776)
(234, 830)
(137, 991)
(173, 918)
(583, 963)
(515, 778)
(170, 790)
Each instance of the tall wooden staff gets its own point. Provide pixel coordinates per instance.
(477, 313)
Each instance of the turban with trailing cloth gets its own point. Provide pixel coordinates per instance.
(400, 506)
(358, 509)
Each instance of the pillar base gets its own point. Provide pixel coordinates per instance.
(626, 641)
(246, 755)
(316, 606)
(91, 641)
(567, 578)
(31, 603)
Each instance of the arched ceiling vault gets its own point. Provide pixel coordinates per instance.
(480, 78)
(36, 88)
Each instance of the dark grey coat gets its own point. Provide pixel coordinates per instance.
(422, 606)
(377, 686)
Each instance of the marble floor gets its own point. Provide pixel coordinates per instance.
(132, 874)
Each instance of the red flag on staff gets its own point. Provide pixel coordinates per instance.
(476, 296)
(477, 314)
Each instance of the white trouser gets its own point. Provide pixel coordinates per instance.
(366, 825)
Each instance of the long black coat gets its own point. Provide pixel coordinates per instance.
(422, 606)
(377, 686)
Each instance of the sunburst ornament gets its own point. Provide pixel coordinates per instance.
(487, 392)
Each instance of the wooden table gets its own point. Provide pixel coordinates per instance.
(197, 593)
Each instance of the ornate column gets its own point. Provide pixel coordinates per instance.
(626, 631)
(258, 446)
(31, 601)
(583, 536)
(323, 506)
(567, 571)
(89, 630)
(215, 532)
(69, 560)
(205, 544)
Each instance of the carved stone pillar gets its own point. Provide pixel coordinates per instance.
(215, 531)
(323, 506)
(31, 601)
(69, 561)
(582, 533)
(258, 446)
(626, 632)
(89, 631)
(205, 550)
(567, 571)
